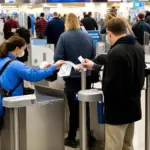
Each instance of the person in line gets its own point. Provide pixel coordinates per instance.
(40, 26)
(72, 44)
(16, 71)
(25, 34)
(9, 25)
(54, 29)
(64, 17)
(123, 79)
(84, 15)
(113, 10)
(147, 17)
(140, 27)
(108, 17)
(59, 16)
(36, 20)
(29, 22)
(89, 22)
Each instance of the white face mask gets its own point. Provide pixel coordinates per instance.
(21, 54)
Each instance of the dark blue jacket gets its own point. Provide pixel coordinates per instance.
(54, 29)
(139, 29)
(71, 45)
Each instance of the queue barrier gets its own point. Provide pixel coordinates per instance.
(84, 96)
(34, 122)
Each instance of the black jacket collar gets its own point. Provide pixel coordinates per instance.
(129, 39)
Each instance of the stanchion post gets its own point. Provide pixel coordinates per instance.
(83, 127)
(16, 128)
(147, 114)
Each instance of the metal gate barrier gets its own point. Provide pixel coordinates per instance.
(34, 122)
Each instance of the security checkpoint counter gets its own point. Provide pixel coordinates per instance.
(34, 122)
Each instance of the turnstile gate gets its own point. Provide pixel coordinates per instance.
(34, 122)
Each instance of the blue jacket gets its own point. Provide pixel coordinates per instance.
(16, 71)
(54, 29)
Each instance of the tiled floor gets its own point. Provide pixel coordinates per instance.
(139, 137)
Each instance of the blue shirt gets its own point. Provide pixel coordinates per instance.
(16, 71)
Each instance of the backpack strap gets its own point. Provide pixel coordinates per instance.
(1, 72)
(5, 66)
(11, 91)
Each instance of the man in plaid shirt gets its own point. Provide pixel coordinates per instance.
(40, 26)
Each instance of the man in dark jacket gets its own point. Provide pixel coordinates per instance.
(140, 27)
(123, 79)
(147, 17)
(89, 22)
(54, 29)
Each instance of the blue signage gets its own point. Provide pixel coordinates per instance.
(2, 15)
(138, 4)
(95, 35)
(32, 23)
(15, 14)
(10, 1)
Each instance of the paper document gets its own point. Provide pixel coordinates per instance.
(65, 70)
(72, 64)
(82, 61)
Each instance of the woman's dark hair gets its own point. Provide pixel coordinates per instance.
(11, 44)
(24, 33)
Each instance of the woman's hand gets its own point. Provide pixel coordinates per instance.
(88, 64)
(59, 63)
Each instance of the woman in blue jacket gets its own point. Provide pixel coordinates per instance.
(17, 71)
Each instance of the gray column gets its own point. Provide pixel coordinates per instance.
(83, 127)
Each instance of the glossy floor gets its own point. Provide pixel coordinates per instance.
(139, 136)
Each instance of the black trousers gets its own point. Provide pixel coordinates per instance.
(73, 104)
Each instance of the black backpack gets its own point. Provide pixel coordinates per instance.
(7, 27)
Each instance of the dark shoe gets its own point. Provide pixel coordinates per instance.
(71, 143)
